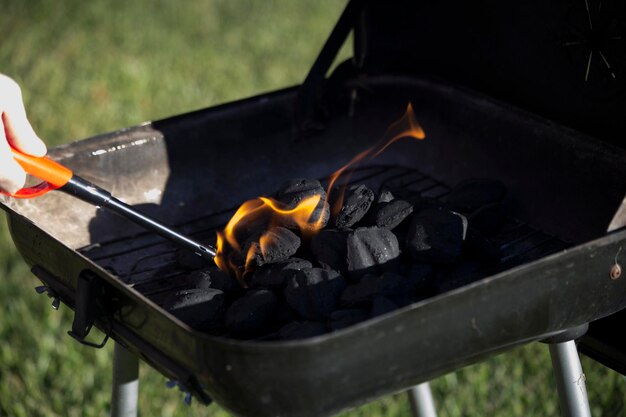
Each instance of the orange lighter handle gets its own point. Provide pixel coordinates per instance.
(52, 173)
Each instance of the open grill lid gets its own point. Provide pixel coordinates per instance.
(564, 60)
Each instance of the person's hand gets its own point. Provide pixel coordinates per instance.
(15, 131)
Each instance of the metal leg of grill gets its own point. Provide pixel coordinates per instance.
(125, 383)
(570, 380)
(421, 400)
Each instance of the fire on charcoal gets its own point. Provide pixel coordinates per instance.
(314, 259)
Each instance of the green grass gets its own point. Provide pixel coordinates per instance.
(91, 67)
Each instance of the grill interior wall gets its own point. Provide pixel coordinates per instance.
(560, 181)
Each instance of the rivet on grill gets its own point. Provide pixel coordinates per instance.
(55, 303)
(616, 271)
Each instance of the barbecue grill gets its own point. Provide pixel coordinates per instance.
(498, 99)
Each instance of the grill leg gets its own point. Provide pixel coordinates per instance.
(125, 383)
(421, 400)
(570, 380)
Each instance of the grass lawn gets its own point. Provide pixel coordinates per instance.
(89, 67)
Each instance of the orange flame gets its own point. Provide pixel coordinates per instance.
(228, 246)
(405, 127)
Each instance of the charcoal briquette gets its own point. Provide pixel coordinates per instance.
(200, 308)
(253, 314)
(295, 191)
(393, 286)
(436, 235)
(382, 305)
(302, 330)
(371, 250)
(357, 200)
(213, 277)
(314, 292)
(388, 215)
(470, 195)
(340, 319)
(276, 274)
(422, 277)
(329, 248)
(280, 244)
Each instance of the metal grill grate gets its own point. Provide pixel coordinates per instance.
(148, 262)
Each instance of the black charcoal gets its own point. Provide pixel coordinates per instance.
(389, 215)
(293, 192)
(276, 274)
(470, 195)
(382, 305)
(215, 278)
(301, 330)
(421, 277)
(275, 245)
(253, 314)
(435, 235)
(329, 249)
(357, 200)
(393, 286)
(371, 250)
(202, 309)
(314, 292)
(340, 319)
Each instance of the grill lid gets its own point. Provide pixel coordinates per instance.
(564, 60)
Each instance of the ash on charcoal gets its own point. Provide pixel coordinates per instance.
(399, 288)
(488, 219)
(293, 192)
(301, 330)
(201, 309)
(385, 196)
(371, 250)
(357, 200)
(280, 244)
(189, 260)
(435, 235)
(418, 201)
(382, 305)
(215, 278)
(470, 195)
(329, 249)
(340, 319)
(253, 314)
(275, 275)
(314, 292)
(388, 215)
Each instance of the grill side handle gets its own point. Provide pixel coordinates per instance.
(85, 301)
(87, 309)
